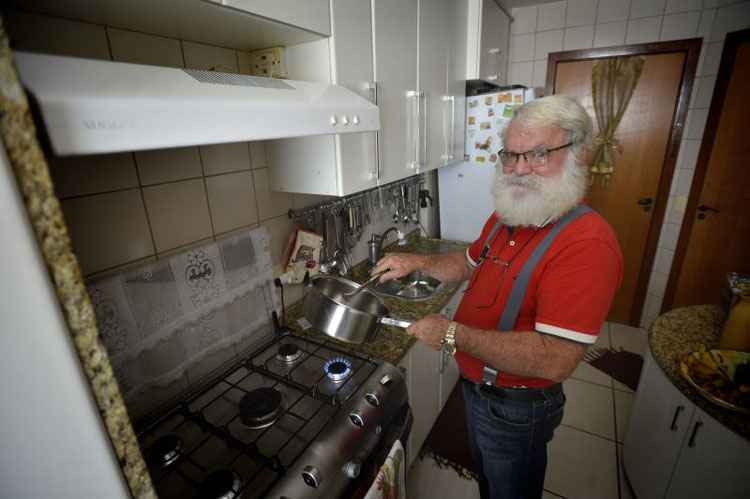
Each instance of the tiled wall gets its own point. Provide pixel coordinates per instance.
(130, 208)
(578, 24)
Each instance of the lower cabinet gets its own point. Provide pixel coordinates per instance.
(674, 449)
(430, 378)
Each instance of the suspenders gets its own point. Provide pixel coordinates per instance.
(518, 291)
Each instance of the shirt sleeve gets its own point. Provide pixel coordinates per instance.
(576, 290)
(474, 251)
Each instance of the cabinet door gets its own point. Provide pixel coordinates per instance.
(405, 364)
(493, 49)
(455, 106)
(425, 392)
(714, 462)
(352, 67)
(449, 373)
(659, 420)
(395, 48)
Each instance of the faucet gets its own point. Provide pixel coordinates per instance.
(375, 245)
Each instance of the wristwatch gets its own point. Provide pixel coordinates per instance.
(448, 343)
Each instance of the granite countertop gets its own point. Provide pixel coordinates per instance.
(390, 343)
(681, 331)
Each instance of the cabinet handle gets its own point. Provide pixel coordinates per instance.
(414, 98)
(423, 120)
(696, 426)
(677, 412)
(450, 139)
(373, 88)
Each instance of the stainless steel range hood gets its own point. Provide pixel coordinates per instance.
(91, 106)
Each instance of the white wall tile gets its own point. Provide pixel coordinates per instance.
(731, 18)
(258, 158)
(680, 26)
(245, 63)
(546, 42)
(540, 73)
(610, 34)
(580, 37)
(522, 47)
(580, 12)
(703, 91)
(551, 16)
(643, 30)
(646, 8)
(108, 229)
(683, 5)
(710, 58)
(707, 20)
(140, 48)
(688, 155)
(683, 183)
(612, 10)
(178, 213)
(166, 165)
(223, 158)
(657, 284)
(270, 203)
(663, 260)
(651, 310)
(209, 57)
(79, 175)
(53, 35)
(524, 20)
(696, 123)
(231, 199)
(279, 229)
(521, 73)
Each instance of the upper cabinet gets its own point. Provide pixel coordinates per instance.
(311, 15)
(442, 82)
(488, 42)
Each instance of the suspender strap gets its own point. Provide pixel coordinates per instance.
(520, 285)
(489, 240)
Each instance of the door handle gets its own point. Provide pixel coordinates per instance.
(702, 209)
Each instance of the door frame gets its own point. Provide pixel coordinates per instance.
(728, 55)
(691, 47)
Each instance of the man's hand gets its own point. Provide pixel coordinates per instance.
(430, 330)
(398, 265)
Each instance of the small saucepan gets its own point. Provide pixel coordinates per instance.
(353, 318)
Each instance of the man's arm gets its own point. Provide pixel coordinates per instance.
(527, 353)
(446, 267)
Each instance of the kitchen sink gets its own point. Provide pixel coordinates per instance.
(415, 286)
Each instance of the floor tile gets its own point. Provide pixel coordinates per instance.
(427, 480)
(581, 466)
(549, 495)
(623, 405)
(589, 408)
(604, 340)
(632, 339)
(586, 372)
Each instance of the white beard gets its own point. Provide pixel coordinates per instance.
(531, 200)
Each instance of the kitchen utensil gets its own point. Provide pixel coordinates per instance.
(365, 284)
(352, 320)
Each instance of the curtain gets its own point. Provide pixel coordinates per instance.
(613, 81)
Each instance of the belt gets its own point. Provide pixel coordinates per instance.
(522, 394)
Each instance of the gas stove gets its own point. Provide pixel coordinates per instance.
(295, 418)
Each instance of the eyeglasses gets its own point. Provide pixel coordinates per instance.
(536, 157)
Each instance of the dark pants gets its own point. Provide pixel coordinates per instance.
(508, 440)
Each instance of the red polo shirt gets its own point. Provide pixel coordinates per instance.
(569, 293)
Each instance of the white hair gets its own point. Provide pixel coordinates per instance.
(556, 111)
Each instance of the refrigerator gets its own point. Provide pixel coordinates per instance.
(465, 189)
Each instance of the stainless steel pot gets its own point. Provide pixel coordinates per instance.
(352, 319)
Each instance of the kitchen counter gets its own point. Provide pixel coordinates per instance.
(390, 343)
(681, 331)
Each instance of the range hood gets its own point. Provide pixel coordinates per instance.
(91, 106)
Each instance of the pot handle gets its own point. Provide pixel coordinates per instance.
(394, 322)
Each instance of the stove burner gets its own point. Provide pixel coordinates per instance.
(338, 369)
(288, 353)
(222, 484)
(260, 408)
(165, 451)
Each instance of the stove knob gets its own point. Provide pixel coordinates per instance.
(357, 419)
(311, 476)
(352, 469)
(372, 399)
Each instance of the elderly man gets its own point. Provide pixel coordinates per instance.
(542, 276)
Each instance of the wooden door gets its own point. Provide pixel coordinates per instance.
(649, 134)
(715, 236)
